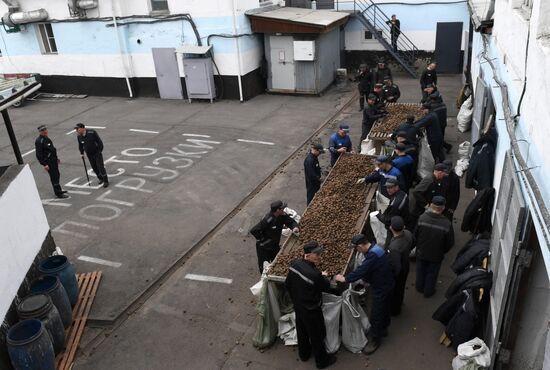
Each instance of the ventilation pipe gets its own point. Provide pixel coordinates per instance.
(13, 19)
(76, 5)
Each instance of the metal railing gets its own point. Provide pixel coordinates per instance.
(379, 22)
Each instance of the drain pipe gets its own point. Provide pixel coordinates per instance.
(238, 53)
(121, 51)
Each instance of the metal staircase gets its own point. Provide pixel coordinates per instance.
(374, 19)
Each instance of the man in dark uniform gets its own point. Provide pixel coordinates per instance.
(390, 91)
(305, 285)
(434, 238)
(433, 132)
(429, 187)
(382, 72)
(439, 107)
(376, 271)
(428, 77)
(378, 92)
(268, 232)
(47, 157)
(370, 115)
(398, 206)
(395, 30)
(399, 248)
(312, 171)
(453, 191)
(364, 86)
(90, 142)
(410, 129)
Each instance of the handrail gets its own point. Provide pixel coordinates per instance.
(372, 4)
(375, 20)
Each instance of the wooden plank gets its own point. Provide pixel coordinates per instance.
(70, 333)
(73, 342)
(88, 300)
(88, 285)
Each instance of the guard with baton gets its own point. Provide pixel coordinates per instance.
(90, 142)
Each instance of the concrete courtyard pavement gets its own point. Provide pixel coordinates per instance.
(176, 171)
(188, 324)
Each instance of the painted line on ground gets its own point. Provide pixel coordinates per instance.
(99, 261)
(78, 192)
(29, 152)
(256, 142)
(195, 135)
(144, 131)
(211, 279)
(94, 127)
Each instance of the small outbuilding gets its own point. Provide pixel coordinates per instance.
(303, 47)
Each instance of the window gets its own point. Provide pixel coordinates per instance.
(159, 6)
(47, 39)
(369, 36)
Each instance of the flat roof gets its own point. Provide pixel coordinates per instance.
(295, 20)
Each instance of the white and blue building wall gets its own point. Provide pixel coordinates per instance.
(519, 47)
(90, 60)
(418, 19)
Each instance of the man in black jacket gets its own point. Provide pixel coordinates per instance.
(434, 238)
(398, 206)
(395, 30)
(370, 115)
(433, 132)
(453, 190)
(409, 129)
(305, 285)
(399, 248)
(312, 171)
(428, 77)
(90, 142)
(439, 107)
(47, 157)
(382, 72)
(390, 91)
(429, 187)
(268, 232)
(364, 86)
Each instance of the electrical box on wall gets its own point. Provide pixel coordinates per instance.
(304, 50)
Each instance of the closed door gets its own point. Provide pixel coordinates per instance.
(448, 42)
(282, 63)
(167, 71)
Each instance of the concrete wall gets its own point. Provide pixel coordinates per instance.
(418, 21)
(23, 229)
(25, 240)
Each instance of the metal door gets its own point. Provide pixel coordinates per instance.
(282, 63)
(448, 43)
(483, 108)
(168, 74)
(305, 77)
(507, 225)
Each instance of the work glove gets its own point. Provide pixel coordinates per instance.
(361, 181)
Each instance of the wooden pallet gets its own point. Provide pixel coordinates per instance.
(87, 284)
